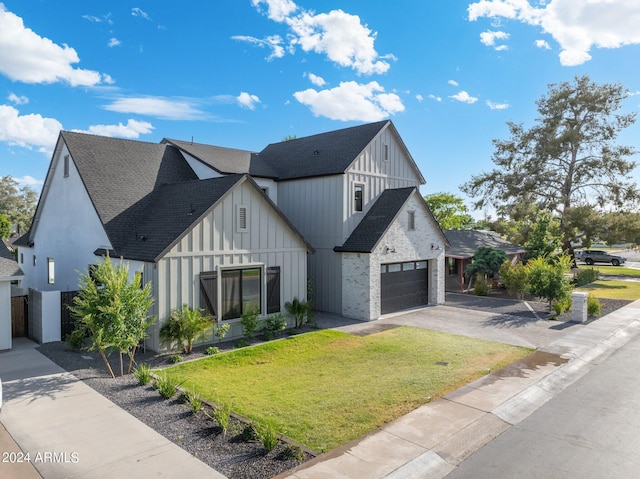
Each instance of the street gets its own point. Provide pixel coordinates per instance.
(590, 430)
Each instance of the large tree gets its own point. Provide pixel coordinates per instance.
(449, 210)
(18, 204)
(570, 157)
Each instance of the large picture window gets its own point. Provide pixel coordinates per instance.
(241, 291)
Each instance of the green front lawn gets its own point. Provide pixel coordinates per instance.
(615, 270)
(327, 387)
(607, 289)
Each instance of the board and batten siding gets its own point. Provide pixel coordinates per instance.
(322, 209)
(215, 242)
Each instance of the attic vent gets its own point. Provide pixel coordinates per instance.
(241, 219)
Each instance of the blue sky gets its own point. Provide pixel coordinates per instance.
(246, 73)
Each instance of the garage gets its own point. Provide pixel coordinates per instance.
(403, 285)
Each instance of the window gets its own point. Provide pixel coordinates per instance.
(34, 259)
(358, 195)
(241, 290)
(241, 219)
(412, 220)
(66, 166)
(51, 271)
(452, 266)
(386, 152)
(21, 258)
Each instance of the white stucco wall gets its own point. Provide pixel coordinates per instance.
(67, 229)
(361, 271)
(5, 315)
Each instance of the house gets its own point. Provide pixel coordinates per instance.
(462, 247)
(9, 273)
(227, 229)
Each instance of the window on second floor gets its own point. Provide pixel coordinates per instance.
(66, 166)
(358, 197)
(51, 272)
(412, 220)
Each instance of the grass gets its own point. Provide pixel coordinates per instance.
(608, 289)
(615, 270)
(327, 387)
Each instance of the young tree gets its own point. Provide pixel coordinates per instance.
(113, 310)
(569, 158)
(547, 279)
(449, 210)
(187, 325)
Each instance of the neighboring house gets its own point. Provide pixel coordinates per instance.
(9, 273)
(463, 245)
(227, 229)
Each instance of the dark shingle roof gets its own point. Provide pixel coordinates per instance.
(464, 243)
(224, 160)
(120, 176)
(8, 266)
(373, 226)
(319, 155)
(170, 211)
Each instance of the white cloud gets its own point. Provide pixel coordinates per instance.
(351, 101)
(453, 82)
(340, 36)
(274, 42)
(543, 44)
(138, 12)
(133, 129)
(277, 10)
(489, 38)
(464, 97)
(18, 100)
(247, 100)
(497, 106)
(28, 181)
(114, 42)
(28, 131)
(434, 97)
(159, 107)
(420, 98)
(577, 26)
(27, 57)
(105, 18)
(316, 80)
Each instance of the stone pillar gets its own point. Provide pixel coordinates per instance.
(579, 307)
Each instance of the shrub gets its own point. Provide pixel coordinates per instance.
(211, 350)
(185, 326)
(562, 305)
(142, 373)
(300, 310)
(585, 276)
(191, 398)
(75, 340)
(481, 287)
(175, 358)
(250, 322)
(514, 278)
(294, 452)
(267, 435)
(547, 279)
(166, 386)
(241, 344)
(222, 415)
(273, 325)
(593, 305)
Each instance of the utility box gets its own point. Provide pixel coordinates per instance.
(579, 307)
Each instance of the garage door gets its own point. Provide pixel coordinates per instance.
(403, 286)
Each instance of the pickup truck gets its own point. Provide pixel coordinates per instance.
(591, 256)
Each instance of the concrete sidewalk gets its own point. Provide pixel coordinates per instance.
(69, 430)
(432, 440)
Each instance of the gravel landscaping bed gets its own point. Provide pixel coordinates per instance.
(228, 454)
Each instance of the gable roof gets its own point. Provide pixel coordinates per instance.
(464, 243)
(9, 268)
(323, 154)
(172, 210)
(224, 160)
(119, 176)
(377, 221)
